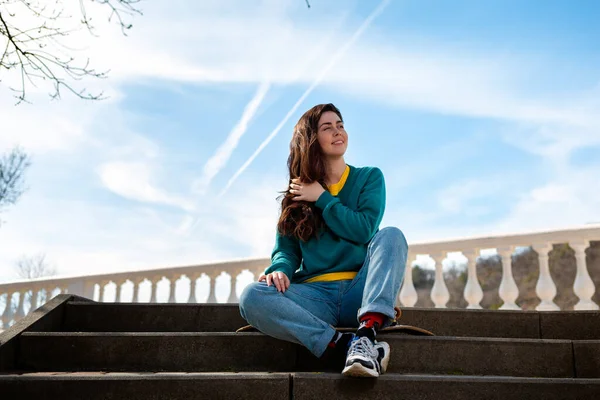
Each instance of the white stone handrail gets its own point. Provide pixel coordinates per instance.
(29, 294)
(584, 233)
(37, 291)
(578, 238)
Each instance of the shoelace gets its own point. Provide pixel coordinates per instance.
(362, 346)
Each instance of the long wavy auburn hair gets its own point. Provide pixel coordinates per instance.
(306, 161)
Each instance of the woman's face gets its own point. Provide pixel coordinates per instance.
(331, 135)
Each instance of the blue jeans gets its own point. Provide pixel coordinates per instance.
(308, 312)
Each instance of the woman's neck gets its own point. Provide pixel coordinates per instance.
(335, 170)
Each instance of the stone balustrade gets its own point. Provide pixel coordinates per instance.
(37, 291)
(542, 242)
(22, 296)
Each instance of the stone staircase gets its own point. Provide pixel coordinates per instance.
(73, 348)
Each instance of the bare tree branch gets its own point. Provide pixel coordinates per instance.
(12, 171)
(31, 267)
(39, 55)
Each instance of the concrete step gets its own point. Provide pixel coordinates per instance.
(135, 317)
(297, 386)
(144, 386)
(424, 387)
(189, 352)
(227, 352)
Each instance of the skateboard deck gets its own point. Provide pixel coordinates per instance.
(393, 328)
(403, 329)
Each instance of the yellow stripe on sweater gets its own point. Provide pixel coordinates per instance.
(336, 188)
(332, 276)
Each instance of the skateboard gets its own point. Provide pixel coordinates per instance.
(393, 328)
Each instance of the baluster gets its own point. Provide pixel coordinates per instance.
(20, 309)
(584, 285)
(34, 299)
(212, 298)
(49, 296)
(545, 287)
(508, 291)
(172, 287)
(154, 287)
(88, 289)
(103, 285)
(232, 294)
(473, 292)
(439, 292)
(8, 311)
(408, 293)
(119, 289)
(136, 289)
(193, 282)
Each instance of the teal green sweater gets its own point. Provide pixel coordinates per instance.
(352, 219)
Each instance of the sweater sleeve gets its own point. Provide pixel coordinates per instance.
(286, 256)
(361, 225)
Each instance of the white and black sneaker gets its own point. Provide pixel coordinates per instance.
(366, 359)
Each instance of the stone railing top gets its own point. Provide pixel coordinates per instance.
(572, 235)
(581, 234)
(191, 270)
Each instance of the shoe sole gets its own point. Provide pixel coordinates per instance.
(386, 358)
(358, 370)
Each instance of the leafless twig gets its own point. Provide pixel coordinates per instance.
(12, 171)
(38, 54)
(31, 267)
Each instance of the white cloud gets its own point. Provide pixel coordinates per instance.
(560, 201)
(258, 42)
(461, 197)
(92, 237)
(245, 219)
(272, 44)
(134, 180)
(556, 141)
(87, 237)
(52, 129)
(568, 200)
(254, 224)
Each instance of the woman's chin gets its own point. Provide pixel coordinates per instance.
(335, 153)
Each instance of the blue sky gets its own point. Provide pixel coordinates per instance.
(484, 117)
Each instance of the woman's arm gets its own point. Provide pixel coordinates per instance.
(361, 225)
(286, 256)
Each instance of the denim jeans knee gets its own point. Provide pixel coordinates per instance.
(393, 237)
(250, 300)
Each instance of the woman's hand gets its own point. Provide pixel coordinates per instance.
(306, 191)
(279, 279)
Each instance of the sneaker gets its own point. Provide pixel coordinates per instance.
(366, 359)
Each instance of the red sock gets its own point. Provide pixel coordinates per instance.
(370, 319)
(334, 339)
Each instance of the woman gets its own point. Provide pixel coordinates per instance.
(331, 265)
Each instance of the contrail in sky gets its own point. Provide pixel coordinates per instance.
(223, 153)
(308, 91)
